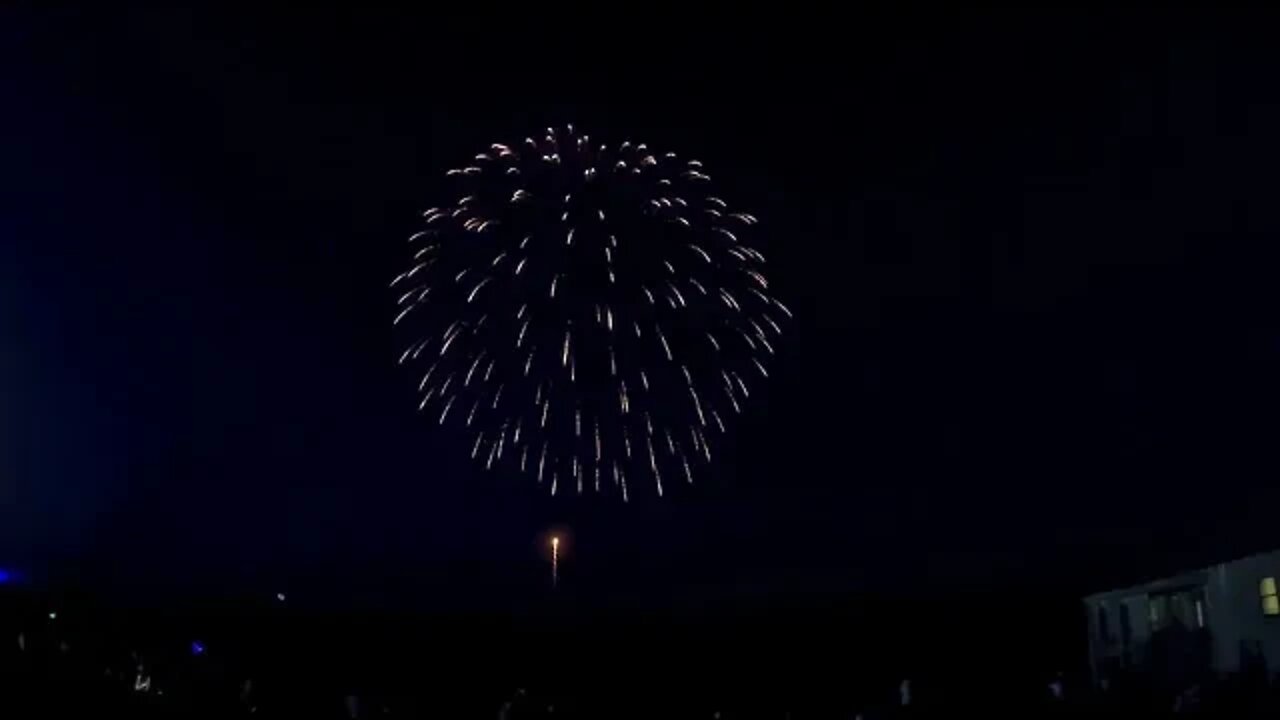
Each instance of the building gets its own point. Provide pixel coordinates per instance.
(1221, 619)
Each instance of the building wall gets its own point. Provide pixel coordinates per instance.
(1238, 622)
(1237, 626)
(1113, 648)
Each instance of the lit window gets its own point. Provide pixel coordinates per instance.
(1199, 613)
(1270, 601)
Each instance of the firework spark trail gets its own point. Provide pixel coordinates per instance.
(603, 278)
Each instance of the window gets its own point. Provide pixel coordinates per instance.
(1126, 630)
(1270, 601)
(1158, 615)
(1104, 632)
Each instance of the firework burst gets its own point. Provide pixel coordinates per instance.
(592, 314)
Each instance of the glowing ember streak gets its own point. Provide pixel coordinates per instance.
(591, 239)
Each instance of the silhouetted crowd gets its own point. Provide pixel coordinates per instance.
(54, 671)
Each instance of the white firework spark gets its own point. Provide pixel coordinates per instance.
(549, 246)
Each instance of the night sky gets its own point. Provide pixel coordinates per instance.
(1032, 261)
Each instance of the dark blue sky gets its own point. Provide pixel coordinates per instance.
(1032, 261)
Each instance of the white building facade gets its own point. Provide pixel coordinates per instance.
(1219, 620)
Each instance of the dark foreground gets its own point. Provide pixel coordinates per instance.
(279, 662)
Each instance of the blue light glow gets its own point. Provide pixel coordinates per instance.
(197, 648)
